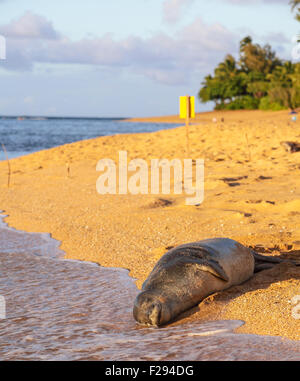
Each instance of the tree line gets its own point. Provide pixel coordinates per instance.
(257, 80)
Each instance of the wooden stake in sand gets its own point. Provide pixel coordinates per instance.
(187, 123)
(8, 165)
(187, 111)
(249, 150)
(68, 169)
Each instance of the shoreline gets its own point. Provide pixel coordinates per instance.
(132, 232)
(207, 116)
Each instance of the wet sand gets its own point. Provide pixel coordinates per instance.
(252, 194)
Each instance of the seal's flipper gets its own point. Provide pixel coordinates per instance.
(260, 260)
(263, 266)
(263, 258)
(214, 268)
(203, 257)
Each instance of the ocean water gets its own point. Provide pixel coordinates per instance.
(21, 137)
(59, 309)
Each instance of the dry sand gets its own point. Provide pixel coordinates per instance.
(252, 194)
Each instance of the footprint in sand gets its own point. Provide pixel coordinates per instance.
(294, 213)
(291, 147)
(263, 178)
(259, 202)
(160, 203)
(233, 181)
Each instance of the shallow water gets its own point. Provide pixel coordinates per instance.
(60, 309)
(21, 137)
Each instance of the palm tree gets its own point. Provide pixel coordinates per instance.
(281, 87)
(295, 5)
(227, 68)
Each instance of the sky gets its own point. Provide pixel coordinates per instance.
(117, 58)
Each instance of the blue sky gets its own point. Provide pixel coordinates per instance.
(125, 58)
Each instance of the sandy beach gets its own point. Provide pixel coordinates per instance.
(252, 195)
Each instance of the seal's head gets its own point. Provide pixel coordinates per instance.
(150, 309)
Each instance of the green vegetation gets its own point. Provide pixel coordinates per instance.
(296, 6)
(258, 80)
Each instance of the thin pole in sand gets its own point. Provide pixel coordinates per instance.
(249, 150)
(68, 169)
(8, 165)
(187, 123)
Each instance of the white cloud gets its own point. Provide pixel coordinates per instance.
(29, 25)
(163, 58)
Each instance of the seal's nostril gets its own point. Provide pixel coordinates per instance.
(155, 314)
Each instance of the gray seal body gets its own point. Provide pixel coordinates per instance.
(187, 274)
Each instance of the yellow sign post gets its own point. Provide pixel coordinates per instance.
(187, 107)
(187, 111)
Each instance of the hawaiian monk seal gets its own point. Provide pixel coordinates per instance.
(187, 274)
